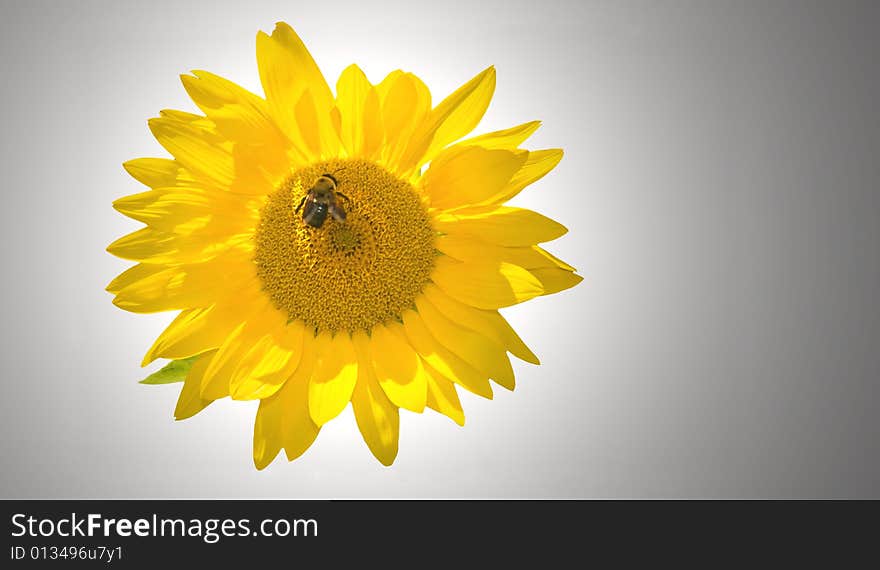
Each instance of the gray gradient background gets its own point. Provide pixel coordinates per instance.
(720, 185)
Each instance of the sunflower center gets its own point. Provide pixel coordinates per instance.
(348, 275)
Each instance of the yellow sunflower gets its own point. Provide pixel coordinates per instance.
(323, 250)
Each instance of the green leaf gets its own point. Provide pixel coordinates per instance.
(174, 371)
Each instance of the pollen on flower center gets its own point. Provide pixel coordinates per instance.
(346, 275)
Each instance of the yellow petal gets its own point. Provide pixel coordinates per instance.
(352, 89)
(377, 418)
(159, 172)
(154, 246)
(470, 175)
(167, 208)
(132, 275)
(360, 118)
(144, 244)
(483, 353)
(504, 225)
(283, 419)
(442, 396)
(464, 248)
(398, 368)
(298, 429)
(183, 286)
(485, 284)
(215, 381)
(509, 139)
(554, 280)
(267, 431)
(441, 359)
(556, 261)
(490, 324)
(334, 377)
(286, 71)
(405, 100)
(196, 149)
(453, 118)
(538, 164)
(270, 361)
(198, 122)
(190, 401)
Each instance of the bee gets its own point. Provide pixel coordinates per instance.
(321, 200)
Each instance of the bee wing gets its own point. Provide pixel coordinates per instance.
(301, 202)
(337, 211)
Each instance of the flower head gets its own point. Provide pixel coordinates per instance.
(330, 249)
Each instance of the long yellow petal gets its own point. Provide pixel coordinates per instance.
(167, 208)
(298, 429)
(196, 121)
(441, 359)
(442, 396)
(453, 118)
(509, 139)
(466, 248)
(283, 419)
(190, 401)
(554, 280)
(538, 164)
(334, 377)
(352, 89)
(133, 274)
(184, 286)
(159, 173)
(268, 439)
(286, 71)
(155, 246)
(483, 353)
(378, 419)
(556, 261)
(488, 323)
(405, 101)
(398, 368)
(468, 175)
(485, 284)
(504, 225)
(360, 117)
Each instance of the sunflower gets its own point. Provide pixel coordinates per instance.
(385, 295)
